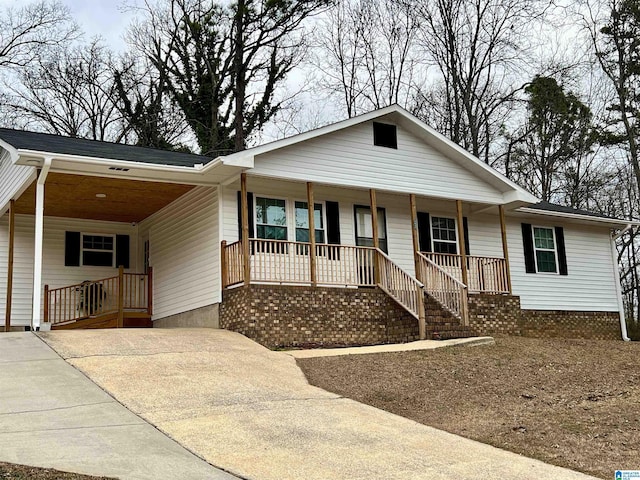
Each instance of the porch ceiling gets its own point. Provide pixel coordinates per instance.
(74, 196)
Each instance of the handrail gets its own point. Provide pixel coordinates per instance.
(485, 274)
(127, 291)
(447, 290)
(400, 285)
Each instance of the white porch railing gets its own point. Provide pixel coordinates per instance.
(485, 274)
(402, 287)
(288, 263)
(447, 290)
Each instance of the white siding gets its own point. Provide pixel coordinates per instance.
(397, 212)
(590, 284)
(348, 157)
(54, 273)
(588, 287)
(184, 253)
(12, 179)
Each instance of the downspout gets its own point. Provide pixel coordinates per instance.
(616, 271)
(38, 244)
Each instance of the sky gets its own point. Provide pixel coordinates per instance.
(107, 18)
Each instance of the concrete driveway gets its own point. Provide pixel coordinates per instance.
(52, 416)
(250, 411)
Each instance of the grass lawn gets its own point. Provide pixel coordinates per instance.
(12, 471)
(573, 403)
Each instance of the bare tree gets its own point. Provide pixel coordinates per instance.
(222, 64)
(27, 31)
(70, 93)
(365, 53)
(478, 48)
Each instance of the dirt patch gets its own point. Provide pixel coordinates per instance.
(572, 403)
(11, 471)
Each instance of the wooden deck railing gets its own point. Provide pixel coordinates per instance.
(232, 264)
(277, 261)
(446, 289)
(126, 291)
(401, 286)
(485, 274)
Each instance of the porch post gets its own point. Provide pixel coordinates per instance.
(312, 234)
(38, 242)
(120, 296)
(463, 252)
(416, 261)
(245, 229)
(505, 249)
(374, 233)
(12, 234)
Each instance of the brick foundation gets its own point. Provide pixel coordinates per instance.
(285, 316)
(494, 314)
(564, 324)
(501, 315)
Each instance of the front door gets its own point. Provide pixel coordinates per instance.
(364, 238)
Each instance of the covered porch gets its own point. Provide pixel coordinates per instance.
(445, 277)
(89, 263)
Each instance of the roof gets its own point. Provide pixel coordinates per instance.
(449, 148)
(45, 142)
(569, 212)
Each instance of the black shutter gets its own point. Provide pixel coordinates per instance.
(122, 250)
(72, 249)
(424, 232)
(527, 242)
(465, 227)
(333, 223)
(250, 207)
(562, 253)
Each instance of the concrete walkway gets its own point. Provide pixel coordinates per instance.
(394, 347)
(52, 416)
(251, 411)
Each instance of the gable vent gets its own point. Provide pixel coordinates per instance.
(119, 169)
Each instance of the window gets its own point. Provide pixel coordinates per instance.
(302, 222)
(444, 235)
(544, 246)
(271, 218)
(385, 135)
(364, 235)
(97, 250)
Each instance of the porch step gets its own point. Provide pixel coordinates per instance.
(441, 324)
(110, 320)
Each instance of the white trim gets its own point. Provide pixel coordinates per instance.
(39, 243)
(82, 249)
(576, 216)
(555, 249)
(255, 214)
(616, 275)
(323, 213)
(455, 226)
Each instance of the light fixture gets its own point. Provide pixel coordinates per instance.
(101, 195)
(33, 161)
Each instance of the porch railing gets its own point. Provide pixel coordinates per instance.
(485, 274)
(398, 284)
(446, 289)
(112, 295)
(283, 262)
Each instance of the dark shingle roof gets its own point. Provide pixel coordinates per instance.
(45, 142)
(552, 207)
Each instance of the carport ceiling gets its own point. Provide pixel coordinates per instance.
(99, 198)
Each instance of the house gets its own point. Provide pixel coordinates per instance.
(94, 234)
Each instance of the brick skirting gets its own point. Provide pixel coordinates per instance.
(285, 316)
(565, 324)
(502, 315)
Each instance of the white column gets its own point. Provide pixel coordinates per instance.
(38, 241)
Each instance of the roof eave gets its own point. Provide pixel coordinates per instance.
(584, 218)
